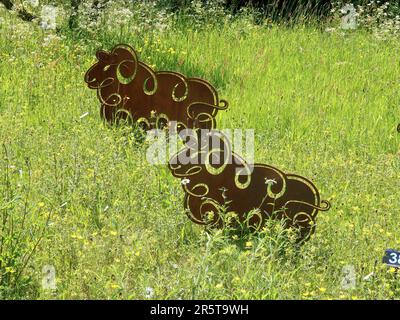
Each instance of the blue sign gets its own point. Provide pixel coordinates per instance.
(392, 258)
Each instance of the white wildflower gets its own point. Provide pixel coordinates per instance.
(270, 181)
(49, 39)
(185, 181)
(32, 3)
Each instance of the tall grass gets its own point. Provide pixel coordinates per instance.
(80, 196)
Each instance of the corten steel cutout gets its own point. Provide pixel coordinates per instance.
(218, 177)
(129, 89)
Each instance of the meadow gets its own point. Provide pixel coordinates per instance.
(79, 195)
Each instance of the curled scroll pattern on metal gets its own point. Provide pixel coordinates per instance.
(214, 179)
(130, 89)
(231, 182)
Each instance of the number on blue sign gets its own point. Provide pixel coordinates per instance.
(393, 258)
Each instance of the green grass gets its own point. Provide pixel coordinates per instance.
(323, 105)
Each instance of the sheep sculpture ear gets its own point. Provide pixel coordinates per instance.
(129, 88)
(102, 55)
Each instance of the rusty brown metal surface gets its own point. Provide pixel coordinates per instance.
(129, 89)
(228, 184)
